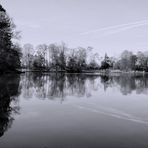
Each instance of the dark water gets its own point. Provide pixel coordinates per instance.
(73, 111)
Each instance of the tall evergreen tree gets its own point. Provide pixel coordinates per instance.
(9, 53)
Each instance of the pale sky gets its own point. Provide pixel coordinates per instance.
(107, 25)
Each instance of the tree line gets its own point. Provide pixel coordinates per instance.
(128, 61)
(58, 57)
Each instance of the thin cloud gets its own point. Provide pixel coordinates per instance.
(117, 28)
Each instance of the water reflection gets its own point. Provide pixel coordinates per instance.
(53, 86)
(9, 90)
(126, 84)
(60, 86)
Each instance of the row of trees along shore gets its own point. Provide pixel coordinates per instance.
(56, 57)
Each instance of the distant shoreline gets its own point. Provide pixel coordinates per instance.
(94, 72)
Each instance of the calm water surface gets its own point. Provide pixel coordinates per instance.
(73, 111)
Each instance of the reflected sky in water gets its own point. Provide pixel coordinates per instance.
(69, 110)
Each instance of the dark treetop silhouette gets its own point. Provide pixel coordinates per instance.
(9, 52)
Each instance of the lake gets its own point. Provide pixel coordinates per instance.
(73, 111)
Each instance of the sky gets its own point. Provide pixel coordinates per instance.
(106, 25)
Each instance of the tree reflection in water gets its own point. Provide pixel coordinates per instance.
(127, 84)
(59, 86)
(9, 90)
(55, 86)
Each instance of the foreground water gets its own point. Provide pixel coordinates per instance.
(73, 111)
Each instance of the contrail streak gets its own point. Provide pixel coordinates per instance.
(118, 28)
